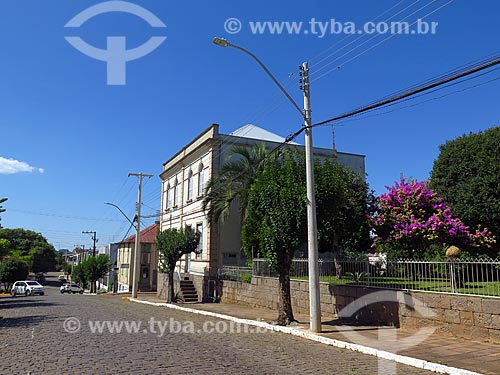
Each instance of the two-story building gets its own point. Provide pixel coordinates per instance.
(148, 278)
(183, 180)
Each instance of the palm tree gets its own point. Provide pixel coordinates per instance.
(233, 182)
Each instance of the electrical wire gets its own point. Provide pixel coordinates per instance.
(356, 118)
(360, 36)
(447, 74)
(490, 63)
(375, 45)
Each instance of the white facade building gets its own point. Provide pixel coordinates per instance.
(183, 178)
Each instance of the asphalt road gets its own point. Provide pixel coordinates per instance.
(59, 334)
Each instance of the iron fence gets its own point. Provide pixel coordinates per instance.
(473, 277)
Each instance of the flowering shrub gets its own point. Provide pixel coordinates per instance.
(412, 216)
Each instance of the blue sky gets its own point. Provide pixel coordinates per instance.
(72, 139)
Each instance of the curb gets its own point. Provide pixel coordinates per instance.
(414, 362)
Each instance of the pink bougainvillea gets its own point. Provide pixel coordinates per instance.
(411, 212)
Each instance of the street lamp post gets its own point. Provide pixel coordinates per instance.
(312, 238)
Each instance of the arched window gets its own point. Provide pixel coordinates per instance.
(201, 180)
(168, 198)
(190, 185)
(199, 229)
(176, 192)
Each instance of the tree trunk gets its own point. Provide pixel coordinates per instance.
(170, 291)
(285, 313)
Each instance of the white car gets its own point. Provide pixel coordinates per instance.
(71, 288)
(27, 287)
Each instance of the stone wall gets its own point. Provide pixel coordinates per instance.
(203, 285)
(463, 316)
(162, 289)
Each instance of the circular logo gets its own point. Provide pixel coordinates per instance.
(72, 325)
(232, 25)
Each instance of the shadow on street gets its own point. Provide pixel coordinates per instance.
(24, 321)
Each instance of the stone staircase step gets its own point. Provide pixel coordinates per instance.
(188, 291)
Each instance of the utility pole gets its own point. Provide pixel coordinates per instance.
(94, 239)
(312, 231)
(137, 257)
(93, 233)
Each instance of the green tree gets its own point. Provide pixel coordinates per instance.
(12, 270)
(277, 204)
(60, 262)
(172, 244)
(22, 240)
(467, 175)
(43, 259)
(80, 275)
(276, 222)
(412, 221)
(1, 208)
(67, 268)
(232, 182)
(31, 246)
(91, 270)
(96, 267)
(344, 205)
(4, 247)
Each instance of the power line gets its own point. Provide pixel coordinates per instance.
(419, 103)
(441, 88)
(490, 63)
(351, 35)
(365, 35)
(449, 73)
(376, 44)
(61, 216)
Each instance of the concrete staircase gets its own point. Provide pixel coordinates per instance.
(188, 292)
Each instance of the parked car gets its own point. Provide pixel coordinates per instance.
(71, 288)
(27, 287)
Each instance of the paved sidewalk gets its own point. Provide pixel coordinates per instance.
(478, 357)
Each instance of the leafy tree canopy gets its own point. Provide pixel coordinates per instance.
(277, 209)
(411, 218)
(24, 240)
(97, 267)
(344, 207)
(172, 244)
(276, 221)
(91, 270)
(4, 247)
(43, 259)
(467, 175)
(80, 274)
(232, 182)
(12, 270)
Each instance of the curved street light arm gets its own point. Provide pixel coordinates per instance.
(119, 209)
(224, 43)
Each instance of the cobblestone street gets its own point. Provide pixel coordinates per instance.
(33, 340)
